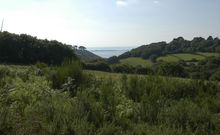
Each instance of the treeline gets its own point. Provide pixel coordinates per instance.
(207, 69)
(25, 49)
(103, 65)
(178, 45)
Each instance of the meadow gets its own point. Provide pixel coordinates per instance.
(66, 100)
(134, 61)
(208, 54)
(168, 58)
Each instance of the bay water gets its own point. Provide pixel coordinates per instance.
(106, 52)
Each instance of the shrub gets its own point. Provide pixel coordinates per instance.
(24, 74)
(122, 68)
(172, 69)
(215, 76)
(189, 117)
(113, 60)
(4, 71)
(68, 69)
(41, 65)
(98, 65)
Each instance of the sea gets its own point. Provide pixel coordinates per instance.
(106, 52)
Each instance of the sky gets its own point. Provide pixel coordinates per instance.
(111, 23)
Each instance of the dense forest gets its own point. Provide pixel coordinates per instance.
(25, 49)
(178, 45)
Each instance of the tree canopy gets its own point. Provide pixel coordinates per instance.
(178, 45)
(25, 49)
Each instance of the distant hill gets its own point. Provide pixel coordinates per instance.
(186, 57)
(86, 55)
(26, 49)
(178, 45)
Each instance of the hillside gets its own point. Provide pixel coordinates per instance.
(198, 59)
(86, 55)
(186, 57)
(178, 45)
(135, 61)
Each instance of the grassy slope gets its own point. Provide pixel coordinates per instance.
(136, 61)
(169, 58)
(206, 54)
(187, 56)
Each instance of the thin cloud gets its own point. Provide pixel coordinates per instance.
(125, 2)
(121, 3)
(156, 1)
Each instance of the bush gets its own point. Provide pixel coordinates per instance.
(99, 65)
(188, 116)
(215, 76)
(24, 74)
(68, 69)
(41, 65)
(143, 70)
(172, 69)
(113, 60)
(4, 71)
(122, 68)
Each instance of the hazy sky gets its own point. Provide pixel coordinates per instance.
(112, 22)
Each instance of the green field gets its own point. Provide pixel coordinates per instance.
(134, 61)
(168, 58)
(206, 54)
(187, 56)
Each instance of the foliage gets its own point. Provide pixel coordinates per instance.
(4, 71)
(97, 65)
(178, 45)
(88, 104)
(69, 70)
(122, 68)
(215, 76)
(172, 69)
(25, 49)
(113, 60)
(137, 61)
(206, 69)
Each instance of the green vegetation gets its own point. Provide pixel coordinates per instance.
(25, 49)
(208, 54)
(137, 61)
(188, 57)
(60, 97)
(178, 45)
(99, 104)
(86, 55)
(168, 58)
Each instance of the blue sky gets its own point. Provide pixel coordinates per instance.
(108, 23)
